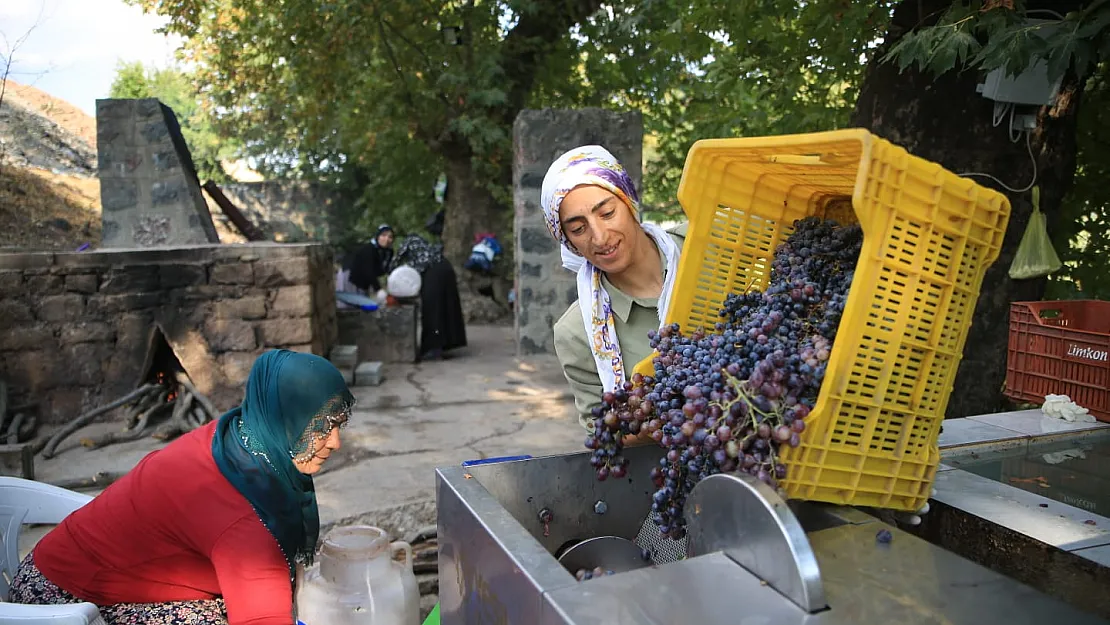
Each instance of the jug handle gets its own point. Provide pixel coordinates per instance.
(403, 546)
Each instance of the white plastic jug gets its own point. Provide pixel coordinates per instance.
(356, 581)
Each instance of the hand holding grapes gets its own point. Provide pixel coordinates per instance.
(635, 440)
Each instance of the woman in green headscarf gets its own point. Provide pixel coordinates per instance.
(212, 527)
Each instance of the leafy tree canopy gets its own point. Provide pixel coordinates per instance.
(1013, 35)
(379, 97)
(1008, 34)
(175, 89)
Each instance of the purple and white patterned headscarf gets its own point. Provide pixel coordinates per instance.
(594, 165)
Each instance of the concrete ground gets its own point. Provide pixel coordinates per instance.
(484, 402)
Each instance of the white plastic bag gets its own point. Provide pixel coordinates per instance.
(403, 282)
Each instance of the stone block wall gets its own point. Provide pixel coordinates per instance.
(544, 289)
(149, 193)
(386, 335)
(75, 328)
(286, 211)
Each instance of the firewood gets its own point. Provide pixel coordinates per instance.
(176, 425)
(87, 418)
(181, 414)
(169, 431)
(3, 401)
(133, 434)
(156, 395)
(27, 430)
(183, 380)
(13, 428)
(191, 420)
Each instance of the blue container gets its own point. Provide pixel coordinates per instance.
(472, 463)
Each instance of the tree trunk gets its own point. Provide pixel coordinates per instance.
(944, 119)
(470, 209)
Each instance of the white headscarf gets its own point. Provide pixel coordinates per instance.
(594, 165)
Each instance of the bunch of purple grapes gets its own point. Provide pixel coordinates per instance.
(727, 400)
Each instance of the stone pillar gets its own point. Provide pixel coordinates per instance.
(544, 289)
(149, 192)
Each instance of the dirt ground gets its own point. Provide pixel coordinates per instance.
(66, 115)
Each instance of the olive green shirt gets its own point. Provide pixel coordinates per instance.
(633, 318)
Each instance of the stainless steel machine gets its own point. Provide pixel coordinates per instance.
(511, 533)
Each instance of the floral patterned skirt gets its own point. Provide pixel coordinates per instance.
(30, 586)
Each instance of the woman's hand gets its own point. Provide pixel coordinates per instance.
(635, 440)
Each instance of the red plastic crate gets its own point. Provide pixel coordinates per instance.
(1060, 348)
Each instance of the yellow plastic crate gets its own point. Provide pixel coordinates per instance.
(929, 236)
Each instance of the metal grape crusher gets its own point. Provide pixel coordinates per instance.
(514, 533)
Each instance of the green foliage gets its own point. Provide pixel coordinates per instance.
(175, 89)
(374, 98)
(762, 67)
(1081, 228)
(699, 69)
(990, 35)
(986, 36)
(372, 95)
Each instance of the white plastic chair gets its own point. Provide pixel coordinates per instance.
(26, 501)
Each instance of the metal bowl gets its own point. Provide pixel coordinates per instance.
(611, 553)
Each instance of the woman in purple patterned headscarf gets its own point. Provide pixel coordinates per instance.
(592, 209)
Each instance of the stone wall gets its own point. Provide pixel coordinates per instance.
(544, 289)
(149, 193)
(285, 211)
(386, 335)
(75, 327)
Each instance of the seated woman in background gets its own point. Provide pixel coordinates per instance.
(211, 528)
(441, 316)
(372, 261)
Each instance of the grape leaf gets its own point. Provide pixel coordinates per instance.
(955, 46)
(1095, 22)
(910, 50)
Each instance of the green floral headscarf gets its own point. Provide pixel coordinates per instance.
(292, 402)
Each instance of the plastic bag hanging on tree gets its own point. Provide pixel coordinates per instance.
(1035, 256)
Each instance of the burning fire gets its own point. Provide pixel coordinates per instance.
(161, 379)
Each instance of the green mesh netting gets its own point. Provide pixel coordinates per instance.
(1035, 256)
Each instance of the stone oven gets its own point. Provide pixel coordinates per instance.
(81, 329)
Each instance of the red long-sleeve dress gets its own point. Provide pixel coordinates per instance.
(172, 529)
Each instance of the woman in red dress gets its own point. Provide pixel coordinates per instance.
(211, 528)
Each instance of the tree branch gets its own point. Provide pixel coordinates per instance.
(427, 60)
(406, 91)
(527, 44)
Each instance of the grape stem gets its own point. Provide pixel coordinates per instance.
(738, 386)
(774, 460)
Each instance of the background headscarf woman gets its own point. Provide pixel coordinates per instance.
(442, 323)
(385, 245)
(292, 402)
(594, 165)
(417, 253)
